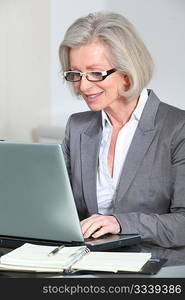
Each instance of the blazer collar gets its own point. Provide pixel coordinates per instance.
(147, 121)
(142, 139)
(90, 144)
(95, 126)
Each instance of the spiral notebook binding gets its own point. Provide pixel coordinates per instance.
(77, 256)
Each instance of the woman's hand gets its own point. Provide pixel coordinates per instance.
(98, 225)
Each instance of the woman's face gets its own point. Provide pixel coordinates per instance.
(103, 94)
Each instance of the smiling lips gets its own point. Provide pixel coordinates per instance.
(92, 97)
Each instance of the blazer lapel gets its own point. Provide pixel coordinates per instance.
(90, 143)
(141, 141)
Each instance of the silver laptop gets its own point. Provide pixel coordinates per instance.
(36, 200)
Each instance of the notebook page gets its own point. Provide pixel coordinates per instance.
(112, 261)
(31, 255)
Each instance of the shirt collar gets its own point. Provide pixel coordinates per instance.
(105, 119)
(136, 113)
(141, 104)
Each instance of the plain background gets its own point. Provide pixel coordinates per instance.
(32, 92)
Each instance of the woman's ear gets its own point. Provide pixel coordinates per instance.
(126, 82)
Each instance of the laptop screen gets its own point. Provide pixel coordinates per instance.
(36, 199)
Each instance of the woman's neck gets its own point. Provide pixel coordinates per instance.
(120, 114)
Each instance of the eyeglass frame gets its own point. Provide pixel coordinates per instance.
(104, 74)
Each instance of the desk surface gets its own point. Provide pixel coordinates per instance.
(173, 268)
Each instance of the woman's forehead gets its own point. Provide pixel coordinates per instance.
(91, 55)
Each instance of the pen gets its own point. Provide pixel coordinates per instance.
(56, 250)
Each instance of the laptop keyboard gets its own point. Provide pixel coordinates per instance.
(103, 238)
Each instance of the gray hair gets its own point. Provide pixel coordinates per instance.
(127, 51)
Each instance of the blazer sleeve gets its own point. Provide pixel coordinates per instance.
(166, 230)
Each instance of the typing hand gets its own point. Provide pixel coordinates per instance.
(98, 225)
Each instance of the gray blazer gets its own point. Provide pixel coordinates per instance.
(150, 196)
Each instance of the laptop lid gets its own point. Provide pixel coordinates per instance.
(36, 199)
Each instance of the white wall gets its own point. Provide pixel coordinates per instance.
(3, 72)
(25, 67)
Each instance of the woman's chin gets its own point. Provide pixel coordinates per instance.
(95, 106)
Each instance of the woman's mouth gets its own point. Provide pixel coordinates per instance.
(90, 98)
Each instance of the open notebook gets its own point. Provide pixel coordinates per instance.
(31, 257)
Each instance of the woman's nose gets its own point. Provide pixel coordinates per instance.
(85, 84)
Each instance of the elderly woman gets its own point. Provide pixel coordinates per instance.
(126, 155)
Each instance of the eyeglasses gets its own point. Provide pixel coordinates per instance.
(94, 76)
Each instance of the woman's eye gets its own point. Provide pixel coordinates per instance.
(97, 73)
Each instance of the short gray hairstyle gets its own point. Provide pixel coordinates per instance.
(127, 51)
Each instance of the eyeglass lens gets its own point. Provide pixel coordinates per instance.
(92, 75)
